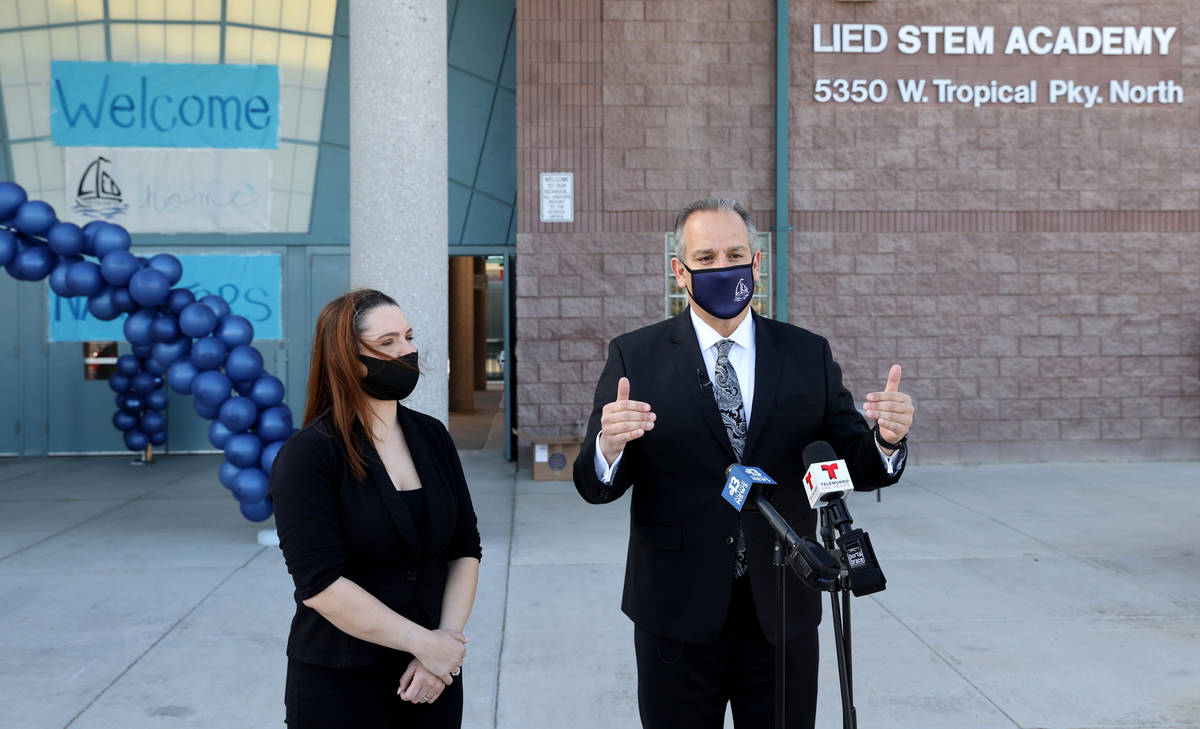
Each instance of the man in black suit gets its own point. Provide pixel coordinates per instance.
(677, 403)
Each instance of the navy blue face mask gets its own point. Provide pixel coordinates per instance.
(722, 292)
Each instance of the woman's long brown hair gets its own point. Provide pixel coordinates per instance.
(333, 374)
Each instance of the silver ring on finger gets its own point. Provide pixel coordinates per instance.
(428, 697)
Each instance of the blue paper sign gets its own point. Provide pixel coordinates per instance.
(94, 104)
(252, 284)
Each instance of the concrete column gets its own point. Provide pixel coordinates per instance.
(462, 335)
(398, 172)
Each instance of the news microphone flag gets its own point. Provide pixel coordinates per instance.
(739, 479)
(826, 480)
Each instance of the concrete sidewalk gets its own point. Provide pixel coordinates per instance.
(1056, 596)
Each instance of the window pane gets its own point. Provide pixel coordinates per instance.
(316, 63)
(237, 45)
(32, 12)
(122, 9)
(267, 13)
(8, 14)
(151, 9)
(124, 41)
(295, 15)
(321, 16)
(301, 208)
(61, 11)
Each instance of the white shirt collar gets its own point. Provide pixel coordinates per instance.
(743, 336)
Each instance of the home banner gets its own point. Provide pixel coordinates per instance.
(170, 191)
(251, 283)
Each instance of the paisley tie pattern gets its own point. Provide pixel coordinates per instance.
(733, 415)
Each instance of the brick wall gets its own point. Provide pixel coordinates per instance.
(1035, 270)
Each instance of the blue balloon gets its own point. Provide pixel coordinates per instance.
(34, 263)
(119, 383)
(149, 287)
(155, 368)
(178, 300)
(65, 239)
(205, 411)
(122, 301)
(100, 305)
(118, 267)
(137, 326)
(128, 365)
(136, 440)
(268, 455)
(157, 400)
(124, 421)
(58, 279)
(153, 422)
(197, 320)
(89, 236)
(267, 391)
(260, 511)
(243, 450)
(235, 331)
(219, 306)
(129, 402)
(8, 245)
(244, 363)
(208, 353)
(274, 424)
(226, 472)
(218, 434)
(250, 486)
(238, 414)
(165, 328)
(166, 353)
(142, 383)
(210, 389)
(169, 265)
(142, 351)
(12, 197)
(108, 238)
(34, 217)
(159, 438)
(243, 387)
(84, 278)
(181, 375)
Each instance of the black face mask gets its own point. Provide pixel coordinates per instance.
(390, 379)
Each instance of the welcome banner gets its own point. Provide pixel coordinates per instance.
(164, 105)
(180, 191)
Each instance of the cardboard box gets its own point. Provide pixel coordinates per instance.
(553, 456)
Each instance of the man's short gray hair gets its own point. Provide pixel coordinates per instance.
(713, 203)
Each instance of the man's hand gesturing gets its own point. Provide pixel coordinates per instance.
(621, 421)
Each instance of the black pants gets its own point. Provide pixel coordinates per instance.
(318, 697)
(686, 686)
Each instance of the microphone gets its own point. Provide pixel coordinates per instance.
(705, 383)
(826, 481)
(827, 477)
(811, 562)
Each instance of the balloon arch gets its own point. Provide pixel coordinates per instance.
(198, 347)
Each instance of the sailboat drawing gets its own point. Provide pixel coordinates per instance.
(98, 194)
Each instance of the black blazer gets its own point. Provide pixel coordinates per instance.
(333, 525)
(679, 568)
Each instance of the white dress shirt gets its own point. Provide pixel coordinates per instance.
(742, 358)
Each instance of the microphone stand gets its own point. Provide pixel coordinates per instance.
(841, 620)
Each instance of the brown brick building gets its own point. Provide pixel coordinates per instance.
(1034, 267)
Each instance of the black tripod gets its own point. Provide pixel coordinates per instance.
(854, 569)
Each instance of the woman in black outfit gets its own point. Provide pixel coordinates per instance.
(377, 528)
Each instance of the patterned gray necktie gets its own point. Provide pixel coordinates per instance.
(733, 415)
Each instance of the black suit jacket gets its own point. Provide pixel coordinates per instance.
(679, 568)
(332, 525)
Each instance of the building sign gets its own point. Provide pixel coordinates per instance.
(251, 283)
(1081, 67)
(164, 105)
(558, 197)
(181, 191)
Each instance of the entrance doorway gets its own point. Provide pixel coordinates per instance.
(480, 336)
